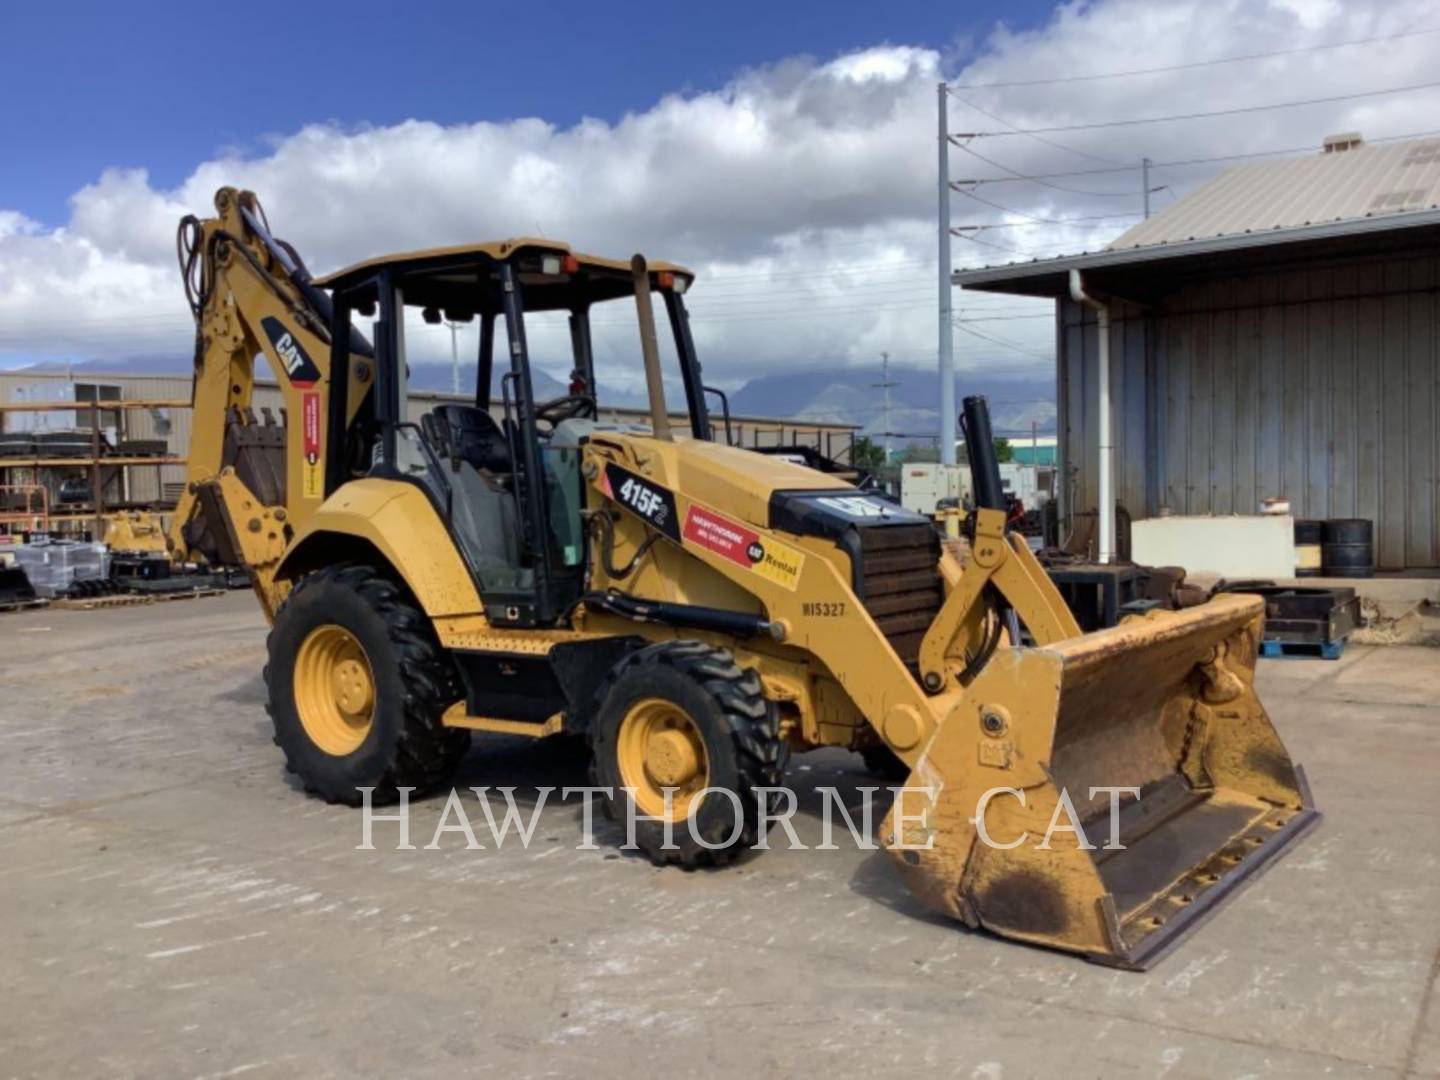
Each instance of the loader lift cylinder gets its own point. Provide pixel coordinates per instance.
(980, 449)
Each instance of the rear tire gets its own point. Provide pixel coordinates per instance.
(708, 712)
(341, 732)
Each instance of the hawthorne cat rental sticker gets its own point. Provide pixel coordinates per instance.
(770, 558)
(312, 488)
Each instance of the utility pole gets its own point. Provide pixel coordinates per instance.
(885, 384)
(1145, 183)
(454, 357)
(947, 332)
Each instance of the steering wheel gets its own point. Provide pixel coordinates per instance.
(565, 408)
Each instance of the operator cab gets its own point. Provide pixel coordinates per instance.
(505, 476)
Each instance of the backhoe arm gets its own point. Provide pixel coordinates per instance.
(252, 482)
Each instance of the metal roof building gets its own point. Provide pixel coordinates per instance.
(1274, 333)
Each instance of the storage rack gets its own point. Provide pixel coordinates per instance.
(95, 461)
(34, 514)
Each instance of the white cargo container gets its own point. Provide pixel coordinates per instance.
(924, 485)
(1024, 482)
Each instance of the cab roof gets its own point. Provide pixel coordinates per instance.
(454, 277)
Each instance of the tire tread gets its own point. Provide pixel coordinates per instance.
(426, 751)
(754, 726)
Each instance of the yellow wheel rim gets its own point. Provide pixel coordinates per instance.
(334, 690)
(659, 746)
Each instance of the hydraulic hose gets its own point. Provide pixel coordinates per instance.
(601, 524)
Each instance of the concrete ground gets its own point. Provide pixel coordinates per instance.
(170, 905)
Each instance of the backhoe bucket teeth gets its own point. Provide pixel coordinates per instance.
(1163, 705)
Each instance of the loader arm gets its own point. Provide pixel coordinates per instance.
(252, 482)
(1099, 793)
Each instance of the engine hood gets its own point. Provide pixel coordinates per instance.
(729, 479)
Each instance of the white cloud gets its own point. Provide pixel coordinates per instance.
(803, 192)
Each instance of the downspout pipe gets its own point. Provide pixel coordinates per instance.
(1106, 508)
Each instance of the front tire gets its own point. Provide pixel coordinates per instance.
(357, 683)
(682, 714)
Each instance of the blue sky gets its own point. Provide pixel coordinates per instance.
(785, 150)
(165, 85)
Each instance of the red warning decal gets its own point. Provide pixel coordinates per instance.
(722, 536)
(310, 419)
(769, 557)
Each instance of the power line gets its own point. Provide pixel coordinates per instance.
(1007, 318)
(806, 312)
(989, 244)
(1007, 344)
(729, 281)
(795, 298)
(1133, 121)
(813, 238)
(1196, 63)
(1037, 136)
(1041, 220)
(1206, 160)
(988, 225)
(1043, 181)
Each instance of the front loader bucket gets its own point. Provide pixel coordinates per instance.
(1163, 706)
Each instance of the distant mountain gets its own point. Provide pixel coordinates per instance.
(851, 396)
(833, 395)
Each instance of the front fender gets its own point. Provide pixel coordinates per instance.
(400, 524)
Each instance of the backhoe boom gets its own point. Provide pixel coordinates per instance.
(251, 481)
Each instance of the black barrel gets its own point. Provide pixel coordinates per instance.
(1309, 537)
(1348, 547)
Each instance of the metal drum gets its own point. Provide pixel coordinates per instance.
(1348, 548)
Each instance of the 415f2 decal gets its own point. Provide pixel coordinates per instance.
(651, 502)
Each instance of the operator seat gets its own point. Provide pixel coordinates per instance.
(474, 435)
(483, 509)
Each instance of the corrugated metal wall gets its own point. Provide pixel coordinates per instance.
(1319, 385)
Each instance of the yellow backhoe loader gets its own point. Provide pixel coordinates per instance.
(697, 611)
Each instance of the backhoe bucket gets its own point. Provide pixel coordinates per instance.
(1151, 734)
